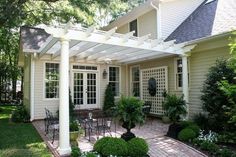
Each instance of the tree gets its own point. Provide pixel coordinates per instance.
(109, 100)
(214, 100)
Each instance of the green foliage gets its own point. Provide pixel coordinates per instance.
(224, 152)
(90, 154)
(111, 146)
(186, 134)
(109, 100)
(129, 110)
(201, 120)
(137, 147)
(75, 152)
(227, 137)
(195, 128)
(186, 123)
(174, 106)
(74, 126)
(214, 100)
(209, 146)
(20, 115)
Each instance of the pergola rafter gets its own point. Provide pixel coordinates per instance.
(92, 44)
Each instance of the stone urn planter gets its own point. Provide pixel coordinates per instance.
(128, 135)
(74, 135)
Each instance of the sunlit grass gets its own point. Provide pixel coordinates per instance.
(19, 139)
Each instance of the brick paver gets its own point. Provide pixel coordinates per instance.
(153, 132)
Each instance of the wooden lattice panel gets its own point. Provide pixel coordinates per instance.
(160, 74)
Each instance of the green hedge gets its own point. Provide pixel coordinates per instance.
(138, 147)
(186, 134)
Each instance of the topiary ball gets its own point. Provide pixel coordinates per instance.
(111, 146)
(100, 144)
(137, 147)
(195, 128)
(186, 134)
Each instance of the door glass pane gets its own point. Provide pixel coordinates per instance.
(78, 88)
(91, 88)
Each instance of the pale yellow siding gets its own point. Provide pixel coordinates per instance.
(26, 83)
(123, 29)
(147, 24)
(201, 60)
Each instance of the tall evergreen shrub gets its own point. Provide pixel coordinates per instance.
(214, 100)
(109, 100)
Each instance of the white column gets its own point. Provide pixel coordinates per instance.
(185, 81)
(64, 142)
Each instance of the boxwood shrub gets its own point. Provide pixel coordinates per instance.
(138, 147)
(195, 128)
(186, 134)
(111, 146)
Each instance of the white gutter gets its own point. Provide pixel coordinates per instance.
(158, 18)
(224, 34)
(32, 70)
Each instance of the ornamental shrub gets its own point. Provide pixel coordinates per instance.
(185, 124)
(137, 147)
(109, 100)
(20, 115)
(111, 146)
(215, 103)
(201, 120)
(75, 152)
(209, 146)
(186, 134)
(195, 128)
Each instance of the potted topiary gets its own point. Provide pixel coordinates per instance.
(175, 107)
(74, 131)
(129, 112)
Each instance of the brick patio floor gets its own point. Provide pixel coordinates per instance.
(153, 132)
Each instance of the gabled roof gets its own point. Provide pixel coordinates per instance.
(208, 19)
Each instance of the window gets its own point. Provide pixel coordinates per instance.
(52, 80)
(114, 79)
(135, 81)
(179, 73)
(133, 27)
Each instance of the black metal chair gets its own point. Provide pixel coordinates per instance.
(104, 125)
(51, 122)
(147, 109)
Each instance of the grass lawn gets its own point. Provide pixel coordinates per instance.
(19, 139)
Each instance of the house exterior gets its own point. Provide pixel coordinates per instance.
(177, 41)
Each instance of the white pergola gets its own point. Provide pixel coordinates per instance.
(66, 41)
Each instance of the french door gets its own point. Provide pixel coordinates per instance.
(85, 89)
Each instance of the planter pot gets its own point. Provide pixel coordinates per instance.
(174, 130)
(128, 135)
(74, 135)
(166, 119)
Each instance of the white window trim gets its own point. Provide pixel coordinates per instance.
(44, 81)
(175, 72)
(108, 67)
(98, 71)
(131, 80)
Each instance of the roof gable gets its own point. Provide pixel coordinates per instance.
(208, 19)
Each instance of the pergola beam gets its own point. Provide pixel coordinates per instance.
(51, 41)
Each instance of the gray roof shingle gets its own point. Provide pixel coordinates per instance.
(33, 38)
(199, 24)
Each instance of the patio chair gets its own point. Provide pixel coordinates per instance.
(104, 125)
(147, 109)
(51, 122)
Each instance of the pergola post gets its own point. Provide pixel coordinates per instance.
(185, 81)
(64, 142)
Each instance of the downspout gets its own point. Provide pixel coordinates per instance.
(158, 18)
(32, 69)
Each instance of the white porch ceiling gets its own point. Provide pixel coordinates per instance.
(95, 45)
